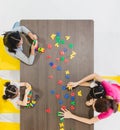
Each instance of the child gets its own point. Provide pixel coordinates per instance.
(13, 41)
(12, 93)
(105, 106)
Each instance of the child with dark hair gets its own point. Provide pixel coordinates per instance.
(105, 106)
(13, 41)
(12, 93)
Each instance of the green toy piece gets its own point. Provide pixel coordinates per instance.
(62, 58)
(34, 42)
(73, 103)
(70, 45)
(57, 38)
(62, 41)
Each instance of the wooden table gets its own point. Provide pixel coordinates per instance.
(81, 34)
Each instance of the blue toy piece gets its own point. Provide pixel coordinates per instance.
(59, 68)
(60, 102)
(52, 91)
(66, 96)
(63, 87)
(58, 34)
(51, 63)
(72, 98)
(65, 50)
(67, 76)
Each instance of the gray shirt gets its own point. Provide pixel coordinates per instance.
(19, 51)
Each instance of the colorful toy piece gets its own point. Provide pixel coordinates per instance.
(59, 113)
(51, 63)
(56, 45)
(54, 66)
(67, 72)
(61, 124)
(66, 96)
(72, 107)
(67, 76)
(63, 107)
(48, 110)
(52, 91)
(49, 46)
(60, 102)
(58, 34)
(67, 37)
(31, 102)
(50, 76)
(57, 96)
(63, 87)
(69, 87)
(72, 98)
(61, 53)
(60, 82)
(59, 68)
(79, 93)
(57, 59)
(66, 60)
(72, 94)
(38, 49)
(70, 45)
(53, 36)
(73, 103)
(48, 57)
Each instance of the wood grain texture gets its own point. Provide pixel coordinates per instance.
(82, 36)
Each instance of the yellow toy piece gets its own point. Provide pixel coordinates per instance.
(7, 62)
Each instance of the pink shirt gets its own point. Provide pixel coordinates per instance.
(112, 90)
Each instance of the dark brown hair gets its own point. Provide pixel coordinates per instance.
(103, 105)
(10, 91)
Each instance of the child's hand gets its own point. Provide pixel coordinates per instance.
(34, 45)
(18, 102)
(34, 37)
(28, 86)
(66, 114)
(71, 85)
(27, 91)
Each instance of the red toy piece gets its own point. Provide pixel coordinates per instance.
(57, 96)
(60, 82)
(48, 110)
(49, 46)
(72, 107)
(61, 53)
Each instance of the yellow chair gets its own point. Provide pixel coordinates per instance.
(10, 63)
(7, 62)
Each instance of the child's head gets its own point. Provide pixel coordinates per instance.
(103, 105)
(96, 92)
(12, 40)
(11, 91)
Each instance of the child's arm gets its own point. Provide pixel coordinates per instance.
(26, 84)
(26, 31)
(24, 102)
(84, 80)
(67, 114)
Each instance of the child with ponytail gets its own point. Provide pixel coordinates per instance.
(12, 93)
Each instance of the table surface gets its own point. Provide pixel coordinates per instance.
(81, 34)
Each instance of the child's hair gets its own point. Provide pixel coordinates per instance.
(11, 40)
(96, 92)
(10, 91)
(103, 104)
